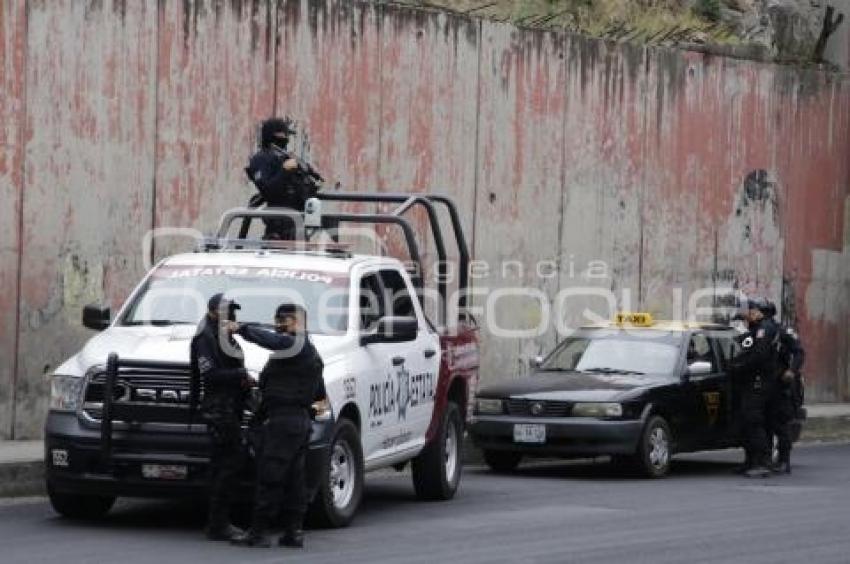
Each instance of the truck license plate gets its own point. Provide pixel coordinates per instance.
(529, 433)
(165, 471)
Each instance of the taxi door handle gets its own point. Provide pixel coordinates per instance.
(398, 360)
(429, 353)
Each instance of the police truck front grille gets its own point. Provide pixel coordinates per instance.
(157, 391)
(538, 408)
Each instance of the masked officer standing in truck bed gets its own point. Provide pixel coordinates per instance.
(217, 359)
(282, 180)
(290, 383)
(755, 368)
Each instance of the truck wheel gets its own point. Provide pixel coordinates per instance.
(502, 461)
(655, 448)
(341, 488)
(79, 506)
(437, 469)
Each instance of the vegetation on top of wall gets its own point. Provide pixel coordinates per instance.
(778, 30)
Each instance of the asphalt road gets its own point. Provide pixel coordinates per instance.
(548, 512)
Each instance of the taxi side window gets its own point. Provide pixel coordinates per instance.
(728, 348)
(397, 297)
(370, 301)
(699, 350)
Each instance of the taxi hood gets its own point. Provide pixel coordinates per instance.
(171, 344)
(574, 386)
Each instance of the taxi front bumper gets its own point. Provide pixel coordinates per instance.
(565, 436)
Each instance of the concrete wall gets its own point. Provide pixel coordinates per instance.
(678, 170)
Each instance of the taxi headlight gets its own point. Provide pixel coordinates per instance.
(322, 411)
(65, 392)
(486, 406)
(597, 410)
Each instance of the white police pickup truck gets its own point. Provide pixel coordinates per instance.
(123, 417)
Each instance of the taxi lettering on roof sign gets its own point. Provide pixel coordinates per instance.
(635, 319)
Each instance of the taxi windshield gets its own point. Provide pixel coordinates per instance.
(179, 295)
(616, 353)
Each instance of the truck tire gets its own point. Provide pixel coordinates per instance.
(341, 487)
(655, 448)
(79, 506)
(502, 461)
(438, 468)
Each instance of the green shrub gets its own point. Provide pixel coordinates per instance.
(708, 9)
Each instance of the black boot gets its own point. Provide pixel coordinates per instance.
(293, 538)
(222, 531)
(781, 467)
(253, 538)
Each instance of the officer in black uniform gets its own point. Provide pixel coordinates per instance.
(755, 369)
(290, 383)
(282, 179)
(786, 396)
(217, 359)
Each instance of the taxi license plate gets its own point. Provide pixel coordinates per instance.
(529, 433)
(165, 471)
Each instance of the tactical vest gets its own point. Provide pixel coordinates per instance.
(291, 382)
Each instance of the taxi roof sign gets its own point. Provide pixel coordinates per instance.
(639, 319)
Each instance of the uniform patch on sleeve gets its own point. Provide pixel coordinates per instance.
(204, 365)
(760, 334)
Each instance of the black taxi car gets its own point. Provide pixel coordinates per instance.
(635, 389)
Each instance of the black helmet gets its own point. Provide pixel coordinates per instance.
(769, 309)
(276, 131)
(759, 303)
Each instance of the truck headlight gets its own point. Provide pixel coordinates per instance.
(597, 410)
(322, 411)
(65, 392)
(486, 406)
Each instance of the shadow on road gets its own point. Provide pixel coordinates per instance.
(603, 470)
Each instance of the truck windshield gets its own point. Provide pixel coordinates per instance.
(179, 295)
(614, 354)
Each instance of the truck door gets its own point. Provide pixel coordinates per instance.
(415, 364)
(375, 384)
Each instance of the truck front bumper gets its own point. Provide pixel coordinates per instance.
(75, 461)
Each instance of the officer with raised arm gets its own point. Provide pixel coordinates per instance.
(290, 383)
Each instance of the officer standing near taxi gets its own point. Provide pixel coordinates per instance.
(783, 401)
(290, 383)
(755, 368)
(216, 358)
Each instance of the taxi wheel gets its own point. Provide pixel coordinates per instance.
(655, 448)
(78, 506)
(502, 461)
(341, 487)
(437, 469)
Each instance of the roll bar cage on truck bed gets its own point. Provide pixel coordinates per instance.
(406, 202)
(120, 409)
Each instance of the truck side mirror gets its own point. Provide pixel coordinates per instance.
(391, 329)
(97, 317)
